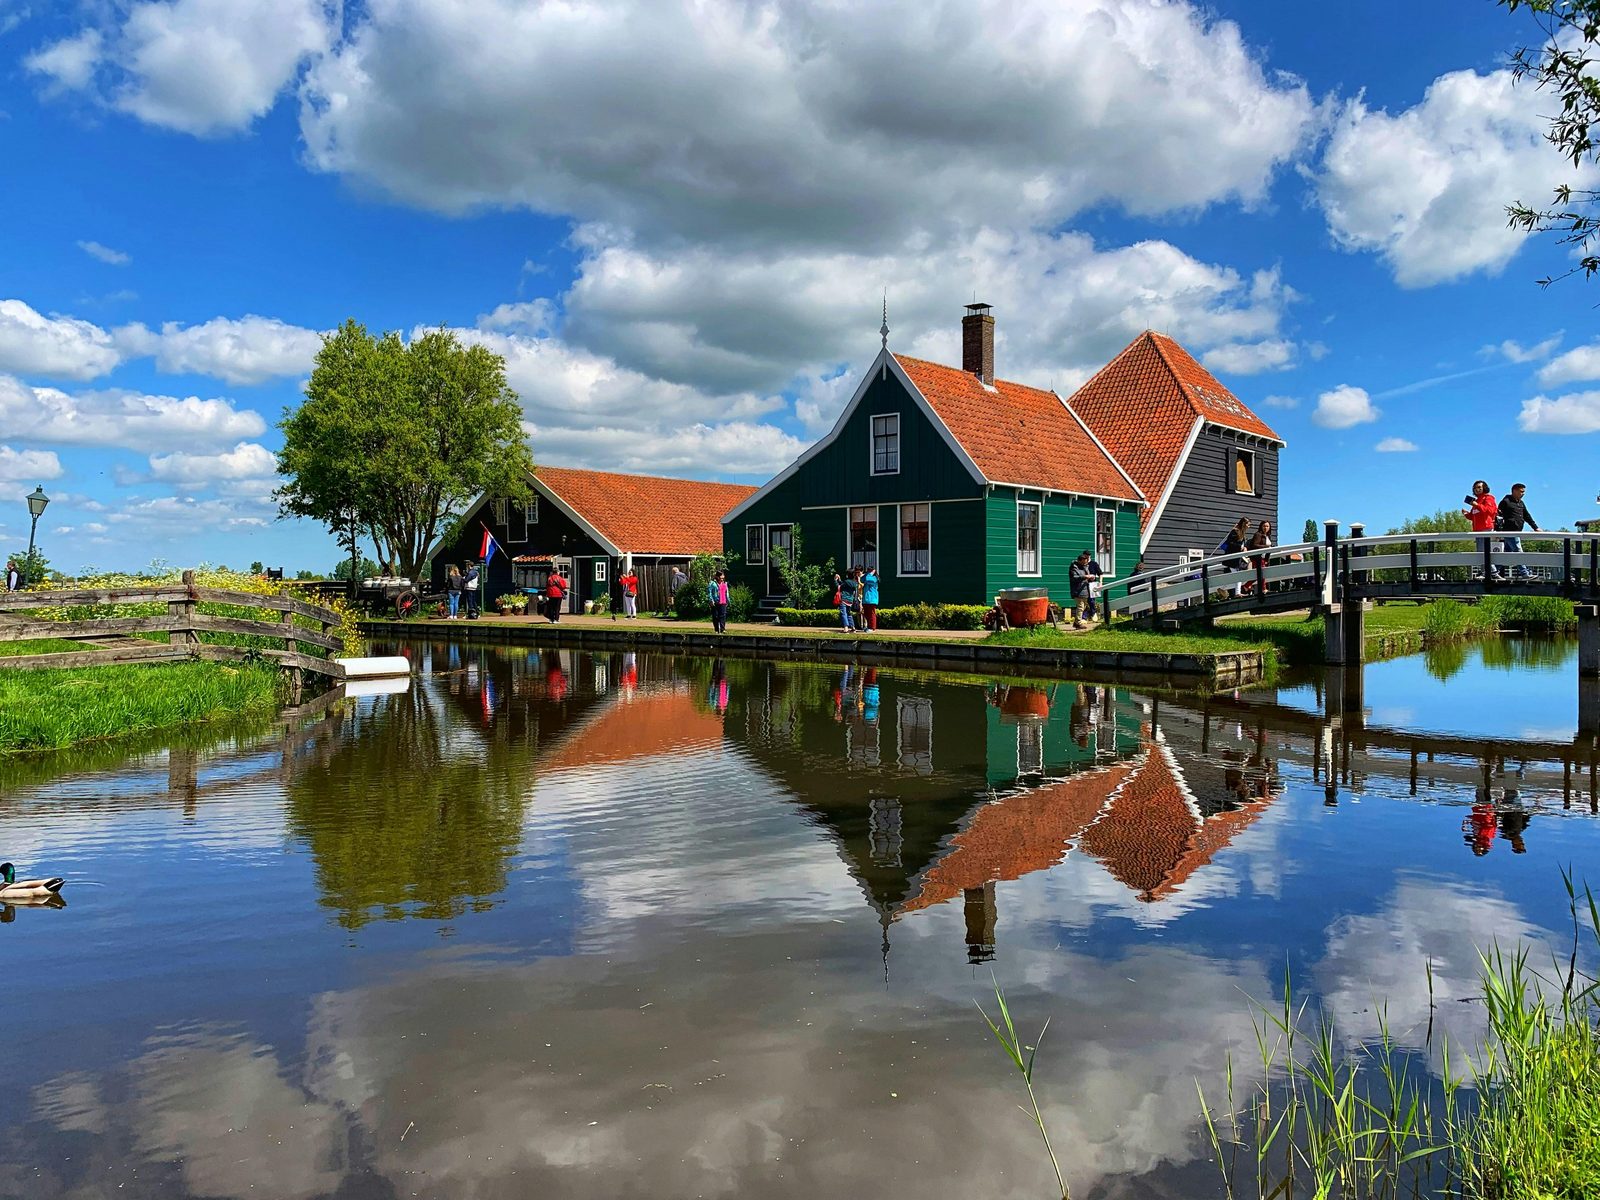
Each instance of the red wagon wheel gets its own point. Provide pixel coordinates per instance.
(406, 603)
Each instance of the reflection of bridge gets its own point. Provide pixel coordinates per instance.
(1341, 748)
(1338, 578)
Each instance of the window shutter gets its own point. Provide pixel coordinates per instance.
(1232, 468)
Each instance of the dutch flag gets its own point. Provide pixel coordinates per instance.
(486, 552)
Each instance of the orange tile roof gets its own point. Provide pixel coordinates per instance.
(1009, 838)
(1152, 839)
(1017, 434)
(647, 514)
(647, 725)
(1144, 403)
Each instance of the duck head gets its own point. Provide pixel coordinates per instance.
(8, 873)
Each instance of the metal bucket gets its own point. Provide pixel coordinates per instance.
(1025, 606)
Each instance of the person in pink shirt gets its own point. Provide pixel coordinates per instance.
(717, 593)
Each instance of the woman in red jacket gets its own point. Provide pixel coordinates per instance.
(1481, 510)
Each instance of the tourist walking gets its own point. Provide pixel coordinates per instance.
(1514, 518)
(679, 578)
(452, 590)
(1096, 573)
(1261, 539)
(717, 594)
(869, 597)
(555, 596)
(845, 597)
(1234, 542)
(13, 576)
(1484, 514)
(629, 581)
(1078, 585)
(469, 590)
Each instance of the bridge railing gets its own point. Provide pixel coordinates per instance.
(1258, 574)
(1321, 573)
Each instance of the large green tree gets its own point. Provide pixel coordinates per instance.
(397, 439)
(1564, 65)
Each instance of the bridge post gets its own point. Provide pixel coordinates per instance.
(1358, 530)
(1344, 633)
(1330, 557)
(1588, 641)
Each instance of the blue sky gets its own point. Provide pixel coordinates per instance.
(677, 224)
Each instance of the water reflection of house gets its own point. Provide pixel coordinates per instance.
(647, 726)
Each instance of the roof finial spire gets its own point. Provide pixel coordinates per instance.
(883, 330)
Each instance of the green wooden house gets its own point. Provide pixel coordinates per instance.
(951, 483)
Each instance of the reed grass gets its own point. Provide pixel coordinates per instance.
(1005, 1033)
(1518, 1119)
(53, 709)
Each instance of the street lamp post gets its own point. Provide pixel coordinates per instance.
(37, 501)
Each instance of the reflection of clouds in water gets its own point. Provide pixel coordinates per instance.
(576, 1077)
(646, 843)
(1379, 963)
(221, 1106)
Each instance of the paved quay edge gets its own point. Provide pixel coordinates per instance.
(1221, 668)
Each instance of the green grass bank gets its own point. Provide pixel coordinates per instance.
(54, 709)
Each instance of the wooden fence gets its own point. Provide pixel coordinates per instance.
(115, 640)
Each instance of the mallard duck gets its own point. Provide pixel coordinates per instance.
(20, 891)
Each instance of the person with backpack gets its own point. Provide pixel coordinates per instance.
(1078, 585)
(469, 590)
(845, 598)
(1514, 517)
(1484, 514)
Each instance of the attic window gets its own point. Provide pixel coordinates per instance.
(1242, 476)
(886, 444)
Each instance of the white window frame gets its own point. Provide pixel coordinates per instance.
(502, 513)
(759, 558)
(511, 534)
(877, 534)
(900, 541)
(532, 509)
(921, 761)
(1038, 539)
(1031, 732)
(1255, 462)
(872, 443)
(599, 570)
(1108, 565)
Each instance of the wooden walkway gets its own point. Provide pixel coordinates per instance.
(114, 640)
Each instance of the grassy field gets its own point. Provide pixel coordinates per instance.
(52, 709)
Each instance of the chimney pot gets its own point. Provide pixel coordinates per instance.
(977, 343)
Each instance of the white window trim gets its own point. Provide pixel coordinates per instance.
(1255, 461)
(761, 559)
(531, 507)
(1110, 569)
(1038, 731)
(600, 570)
(1038, 537)
(877, 525)
(511, 538)
(900, 545)
(872, 445)
(902, 704)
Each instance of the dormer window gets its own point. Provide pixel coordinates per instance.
(886, 444)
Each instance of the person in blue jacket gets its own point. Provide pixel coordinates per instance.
(869, 598)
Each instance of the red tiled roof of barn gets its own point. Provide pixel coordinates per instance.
(647, 514)
(1011, 837)
(1143, 404)
(1017, 434)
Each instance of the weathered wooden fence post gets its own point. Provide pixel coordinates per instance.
(182, 614)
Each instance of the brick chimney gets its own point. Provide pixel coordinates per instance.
(977, 342)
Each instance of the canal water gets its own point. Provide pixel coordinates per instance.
(604, 925)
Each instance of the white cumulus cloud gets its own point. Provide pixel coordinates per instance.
(1578, 412)
(807, 118)
(120, 418)
(1426, 188)
(1344, 407)
(19, 466)
(246, 350)
(54, 346)
(1514, 351)
(1579, 363)
(1250, 358)
(1395, 445)
(244, 462)
(205, 67)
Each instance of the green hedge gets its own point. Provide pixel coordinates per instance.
(905, 616)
